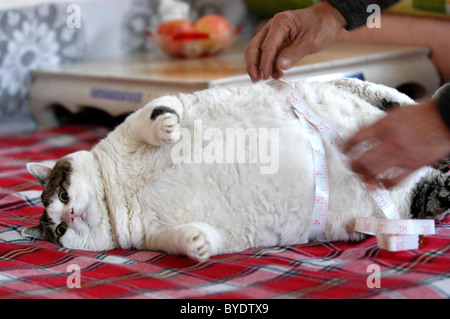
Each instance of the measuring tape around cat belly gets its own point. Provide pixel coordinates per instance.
(316, 128)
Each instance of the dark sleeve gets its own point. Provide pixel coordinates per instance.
(355, 11)
(443, 103)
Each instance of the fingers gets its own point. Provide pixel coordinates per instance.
(371, 168)
(277, 33)
(374, 131)
(253, 57)
(253, 53)
(372, 163)
(391, 182)
(376, 161)
(262, 51)
(277, 74)
(382, 157)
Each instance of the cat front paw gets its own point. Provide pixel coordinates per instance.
(165, 130)
(169, 128)
(193, 243)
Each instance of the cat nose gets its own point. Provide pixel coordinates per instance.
(71, 215)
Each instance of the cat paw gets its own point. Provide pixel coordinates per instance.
(165, 130)
(194, 243)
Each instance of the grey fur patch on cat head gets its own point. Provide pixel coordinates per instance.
(42, 230)
(51, 179)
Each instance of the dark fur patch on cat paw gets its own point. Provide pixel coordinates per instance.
(160, 110)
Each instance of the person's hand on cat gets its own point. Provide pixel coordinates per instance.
(409, 138)
(289, 36)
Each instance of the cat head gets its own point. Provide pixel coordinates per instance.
(75, 214)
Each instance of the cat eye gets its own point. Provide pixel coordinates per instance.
(63, 196)
(61, 229)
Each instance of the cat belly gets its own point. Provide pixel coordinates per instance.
(247, 208)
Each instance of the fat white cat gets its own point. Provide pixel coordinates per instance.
(220, 171)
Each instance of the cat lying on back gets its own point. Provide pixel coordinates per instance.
(143, 187)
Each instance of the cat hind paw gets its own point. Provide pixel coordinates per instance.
(194, 243)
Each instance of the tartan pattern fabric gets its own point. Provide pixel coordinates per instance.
(39, 269)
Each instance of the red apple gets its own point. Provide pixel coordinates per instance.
(215, 25)
(170, 33)
(174, 27)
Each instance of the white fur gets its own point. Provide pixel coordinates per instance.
(203, 209)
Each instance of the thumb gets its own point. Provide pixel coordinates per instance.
(291, 55)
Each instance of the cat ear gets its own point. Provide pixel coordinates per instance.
(39, 171)
(32, 231)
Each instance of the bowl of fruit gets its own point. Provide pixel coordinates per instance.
(182, 38)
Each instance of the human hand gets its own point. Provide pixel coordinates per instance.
(409, 138)
(289, 36)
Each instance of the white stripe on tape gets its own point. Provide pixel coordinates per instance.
(317, 128)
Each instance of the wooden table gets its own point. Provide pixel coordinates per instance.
(121, 85)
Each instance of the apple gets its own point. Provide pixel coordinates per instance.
(169, 33)
(213, 24)
(174, 27)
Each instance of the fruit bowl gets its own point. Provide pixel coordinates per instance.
(193, 45)
(209, 36)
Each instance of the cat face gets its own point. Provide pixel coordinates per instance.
(75, 214)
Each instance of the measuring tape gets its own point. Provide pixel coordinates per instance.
(396, 235)
(316, 128)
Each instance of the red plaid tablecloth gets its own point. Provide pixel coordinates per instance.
(38, 269)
